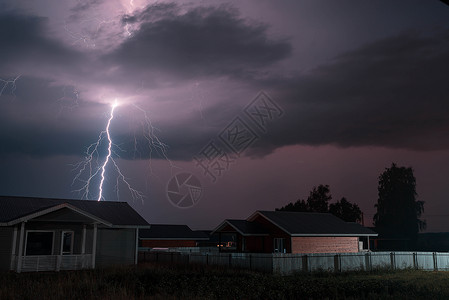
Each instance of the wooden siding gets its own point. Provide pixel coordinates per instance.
(168, 243)
(255, 244)
(275, 232)
(115, 246)
(6, 236)
(325, 244)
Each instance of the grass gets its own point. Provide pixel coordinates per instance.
(156, 281)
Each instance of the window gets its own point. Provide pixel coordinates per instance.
(228, 241)
(279, 245)
(67, 243)
(39, 243)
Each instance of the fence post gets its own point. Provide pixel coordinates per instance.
(305, 263)
(207, 259)
(230, 259)
(392, 260)
(368, 265)
(250, 263)
(415, 260)
(435, 261)
(337, 265)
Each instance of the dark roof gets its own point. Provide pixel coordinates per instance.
(305, 223)
(116, 213)
(248, 228)
(171, 232)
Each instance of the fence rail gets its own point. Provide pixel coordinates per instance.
(53, 262)
(289, 263)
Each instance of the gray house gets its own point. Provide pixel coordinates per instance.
(38, 234)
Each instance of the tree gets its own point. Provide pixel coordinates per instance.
(317, 201)
(398, 210)
(346, 211)
(319, 197)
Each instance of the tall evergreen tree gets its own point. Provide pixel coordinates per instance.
(398, 210)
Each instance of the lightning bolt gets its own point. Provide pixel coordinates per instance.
(5, 83)
(97, 171)
(152, 139)
(108, 157)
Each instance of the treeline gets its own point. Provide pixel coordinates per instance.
(318, 201)
(398, 211)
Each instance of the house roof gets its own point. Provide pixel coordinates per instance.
(110, 213)
(171, 232)
(312, 224)
(244, 227)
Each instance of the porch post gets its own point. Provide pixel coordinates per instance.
(19, 257)
(83, 242)
(13, 248)
(94, 245)
(137, 247)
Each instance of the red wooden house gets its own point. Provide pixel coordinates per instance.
(292, 232)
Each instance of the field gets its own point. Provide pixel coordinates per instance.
(150, 281)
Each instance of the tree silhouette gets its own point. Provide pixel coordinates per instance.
(398, 211)
(318, 201)
(319, 197)
(346, 211)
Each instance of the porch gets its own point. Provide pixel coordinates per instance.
(36, 263)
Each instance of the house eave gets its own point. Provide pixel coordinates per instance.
(236, 229)
(174, 239)
(55, 208)
(131, 226)
(332, 235)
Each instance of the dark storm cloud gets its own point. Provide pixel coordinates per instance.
(43, 119)
(201, 42)
(83, 6)
(391, 93)
(24, 41)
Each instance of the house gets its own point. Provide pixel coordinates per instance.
(292, 232)
(170, 236)
(38, 234)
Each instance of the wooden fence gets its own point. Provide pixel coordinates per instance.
(290, 263)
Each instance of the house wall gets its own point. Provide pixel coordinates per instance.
(255, 244)
(115, 246)
(275, 232)
(168, 243)
(325, 244)
(6, 237)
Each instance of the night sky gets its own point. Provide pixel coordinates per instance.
(351, 86)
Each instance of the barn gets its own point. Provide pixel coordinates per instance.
(292, 232)
(40, 234)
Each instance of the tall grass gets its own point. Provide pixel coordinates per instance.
(152, 281)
